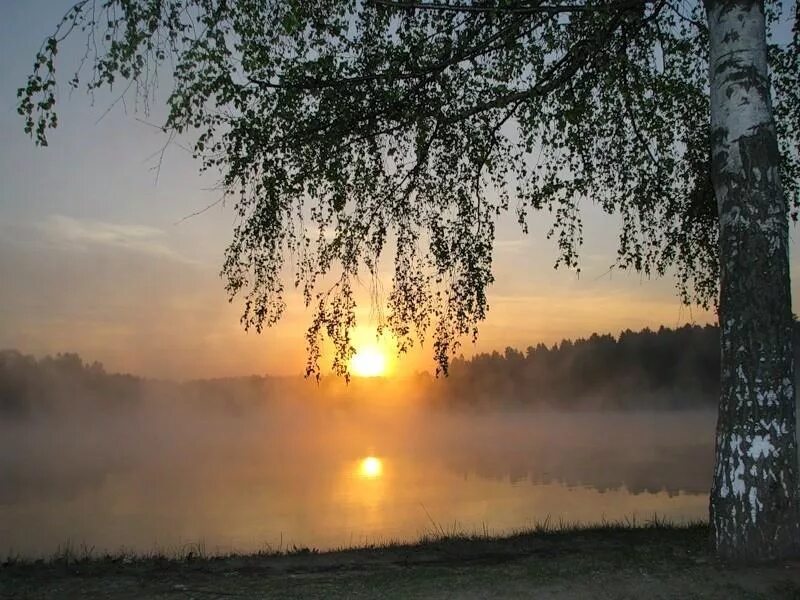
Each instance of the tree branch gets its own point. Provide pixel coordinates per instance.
(552, 9)
(559, 73)
(478, 50)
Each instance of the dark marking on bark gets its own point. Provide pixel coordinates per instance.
(731, 36)
(745, 76)
(729, 5)
(759, 150)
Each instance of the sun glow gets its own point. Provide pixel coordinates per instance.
(371, 467)
(369, 361)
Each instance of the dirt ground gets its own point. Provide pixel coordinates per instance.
(606, 563)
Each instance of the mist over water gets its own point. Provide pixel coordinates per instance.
(251, 464)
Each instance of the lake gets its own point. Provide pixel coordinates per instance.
(289, 474)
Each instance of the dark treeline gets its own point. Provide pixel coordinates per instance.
(664, 369)
(668, 368)
(31, 386)
(28, 384)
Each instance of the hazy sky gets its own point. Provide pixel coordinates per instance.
(94, 256)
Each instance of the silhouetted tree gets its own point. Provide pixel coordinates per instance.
(417, 122)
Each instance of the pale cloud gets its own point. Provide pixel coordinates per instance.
(512, 245)
(88, 232)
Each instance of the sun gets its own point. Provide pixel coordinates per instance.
(369, 361)
(371, 467)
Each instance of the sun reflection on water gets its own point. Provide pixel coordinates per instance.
(370, 467)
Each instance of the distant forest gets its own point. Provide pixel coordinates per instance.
(664, 369)
(28, 384)
(667, 368)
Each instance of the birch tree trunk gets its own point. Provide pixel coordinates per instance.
(753, 508)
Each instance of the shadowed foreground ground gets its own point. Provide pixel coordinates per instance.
(611, 562)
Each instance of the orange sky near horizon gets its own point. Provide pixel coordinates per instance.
(148, 312)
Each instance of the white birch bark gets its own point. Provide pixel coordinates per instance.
(753, 507)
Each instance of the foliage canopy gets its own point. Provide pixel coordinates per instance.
(348, 129)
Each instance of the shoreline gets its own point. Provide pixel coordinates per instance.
(656, 560)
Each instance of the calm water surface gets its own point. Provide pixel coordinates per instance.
(324, 477)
